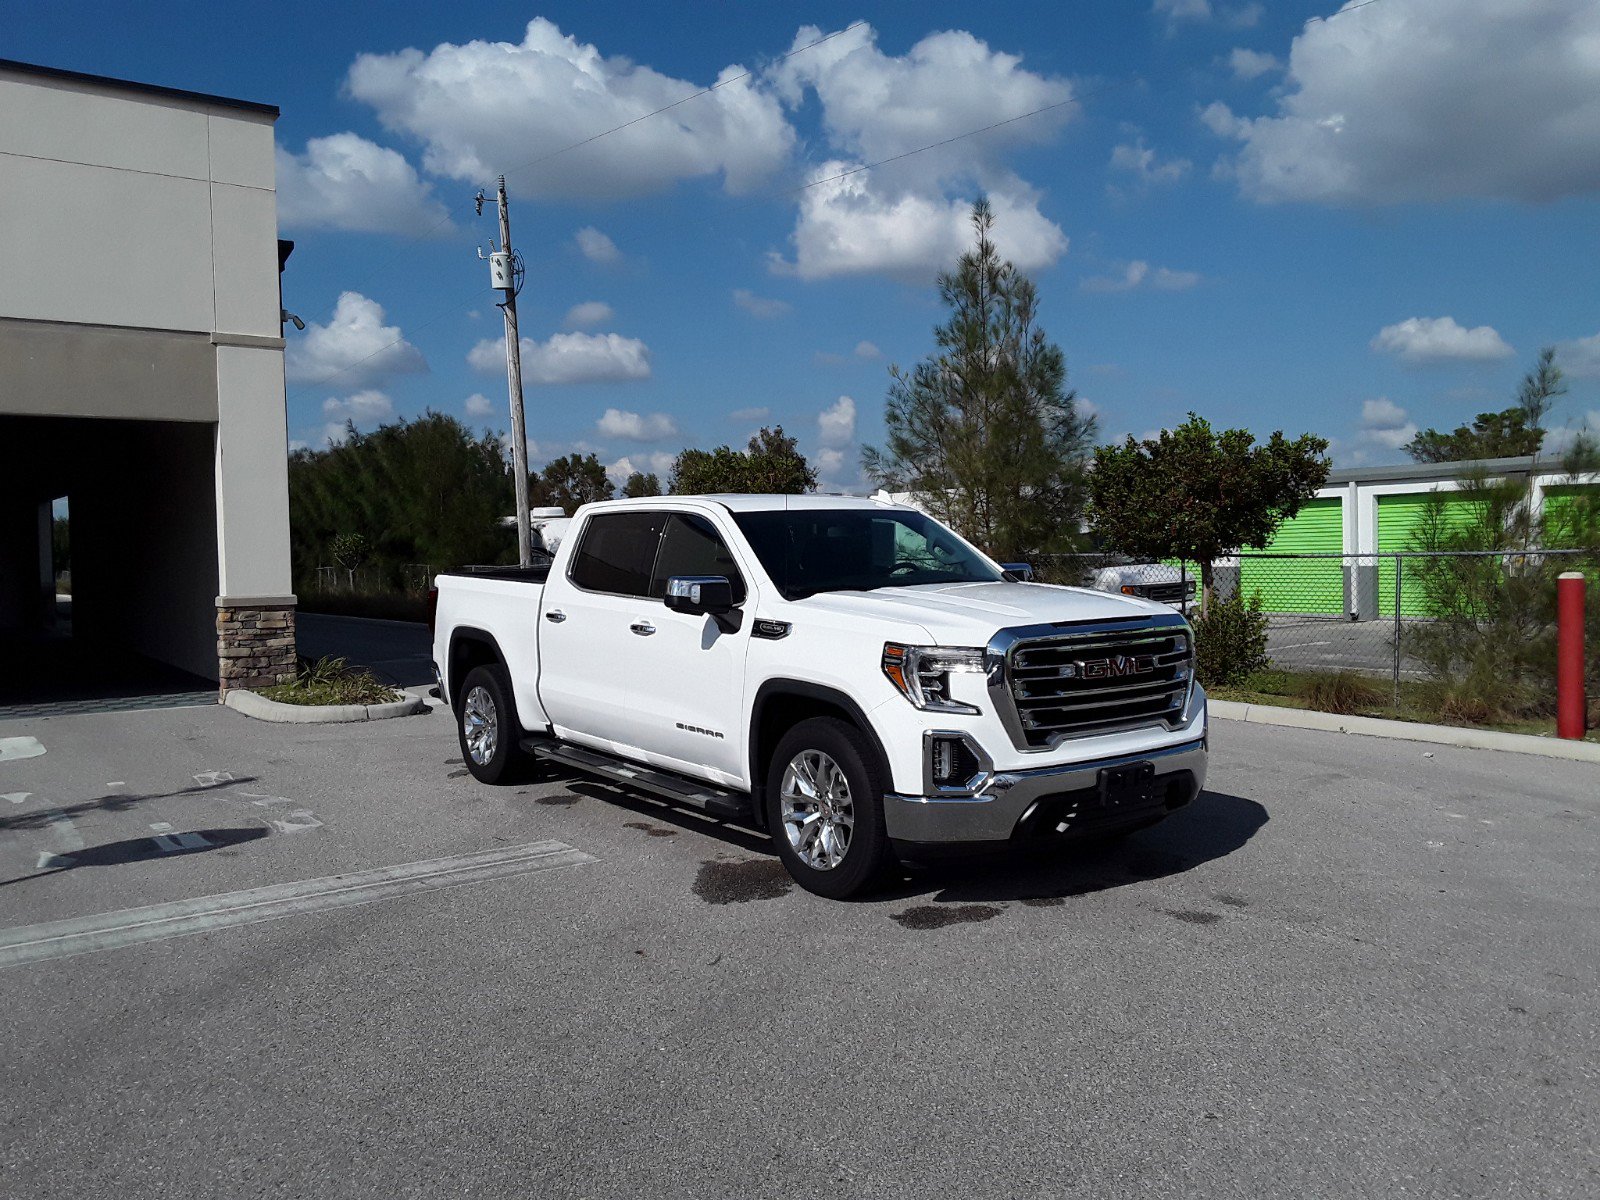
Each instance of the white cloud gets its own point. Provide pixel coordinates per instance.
(1252, 64)
(486, 106)
(1580, 358)
(875, 105)
(364, 408)
(836, 424)
(657, 463)
(1141, 162)
(569, 358)
(867, 352)
(1416, 101)
(590, 312)
(346, 182)
(636, 427)
(355, 346)
(1238, 16)
(1243, 16)
(479, 405)
(849, 227)
(369, 405)
(1139, 273)
(829, 459)
(910, 221)
(1384, 424)
(1183, 10)
(1420, 340)
(760, 306)
(596, 246)
(750, 414)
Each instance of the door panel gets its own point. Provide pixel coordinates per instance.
(688, 678)
(588, 658)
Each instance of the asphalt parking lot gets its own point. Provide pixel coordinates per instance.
(1351, 968)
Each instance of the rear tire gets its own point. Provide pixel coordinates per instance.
(486, 723)
(825, 808)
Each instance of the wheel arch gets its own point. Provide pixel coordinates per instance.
(469, 647)
(779, 705)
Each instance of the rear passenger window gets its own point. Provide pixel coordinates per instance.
(617, 552)
(691, 546)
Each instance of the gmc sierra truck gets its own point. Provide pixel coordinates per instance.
(849, 675)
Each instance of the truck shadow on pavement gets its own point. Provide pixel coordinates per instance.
(1045, 875)
(965, 886)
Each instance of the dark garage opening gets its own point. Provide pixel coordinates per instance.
(136, 623)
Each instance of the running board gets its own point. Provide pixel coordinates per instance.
(708, 798)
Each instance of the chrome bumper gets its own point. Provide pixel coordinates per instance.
(993, 814)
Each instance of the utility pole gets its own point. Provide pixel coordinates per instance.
(504, 275)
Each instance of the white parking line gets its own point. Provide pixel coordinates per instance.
(131, 926)
(169, 842)
(19, 747)
(66, 837)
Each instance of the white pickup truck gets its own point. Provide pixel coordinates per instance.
(847, 674)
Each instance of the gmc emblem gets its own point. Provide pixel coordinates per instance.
(1117, 666)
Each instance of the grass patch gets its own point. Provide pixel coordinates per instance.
(1421, 702)
(1342, 692)
(332, 681)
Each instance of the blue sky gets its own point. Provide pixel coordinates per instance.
(1351, 226)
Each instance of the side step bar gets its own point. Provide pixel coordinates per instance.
(708, 798)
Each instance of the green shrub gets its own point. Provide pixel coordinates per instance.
(1343, 692)
(1231, 641)
(331, 680)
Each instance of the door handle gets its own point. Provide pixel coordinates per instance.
(556, 616)
(642, 628)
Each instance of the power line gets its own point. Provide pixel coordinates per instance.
(533, 162)
(420, 234)
(1077, 98)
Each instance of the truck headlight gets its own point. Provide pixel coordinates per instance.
(922, 673)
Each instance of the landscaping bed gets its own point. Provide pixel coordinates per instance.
(1351, 694)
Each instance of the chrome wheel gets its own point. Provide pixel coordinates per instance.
(818, 815)
(480, 725)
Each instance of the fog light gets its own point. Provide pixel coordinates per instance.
(951, 762)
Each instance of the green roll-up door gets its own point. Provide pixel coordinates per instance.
(1571, 511)
(1400, 518)
(1306, 585)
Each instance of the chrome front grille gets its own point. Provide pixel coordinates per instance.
(1063, 681)
(1167, 593)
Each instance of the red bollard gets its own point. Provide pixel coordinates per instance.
(1570, 700)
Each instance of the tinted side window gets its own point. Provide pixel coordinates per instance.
(617, 552)
(691, 546)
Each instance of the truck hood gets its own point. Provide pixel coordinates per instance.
(969, 614)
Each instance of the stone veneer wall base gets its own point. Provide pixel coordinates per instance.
(255, 645)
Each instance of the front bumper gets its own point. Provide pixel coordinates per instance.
(1020, 803)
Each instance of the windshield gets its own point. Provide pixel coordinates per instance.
(855, 549)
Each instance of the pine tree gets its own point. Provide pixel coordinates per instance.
(985, 432)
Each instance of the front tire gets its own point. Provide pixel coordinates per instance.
(486, 722)
(825, 808)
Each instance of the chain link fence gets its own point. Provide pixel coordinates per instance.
(412, 578)
(1473, 628)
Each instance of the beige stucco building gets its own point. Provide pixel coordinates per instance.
(141, 372)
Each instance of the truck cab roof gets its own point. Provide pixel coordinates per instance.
(743, 502)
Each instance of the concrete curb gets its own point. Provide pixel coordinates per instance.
(1438, 735)
(262, 709)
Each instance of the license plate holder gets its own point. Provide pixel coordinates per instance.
(1129, 784)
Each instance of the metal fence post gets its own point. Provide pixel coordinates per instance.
(1397, 578)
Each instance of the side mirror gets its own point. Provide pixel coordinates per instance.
(703, 595)
(1018, 572)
